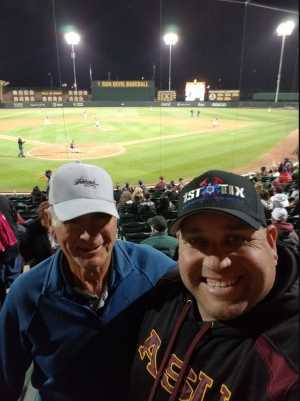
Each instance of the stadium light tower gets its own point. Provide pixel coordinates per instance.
(73, 38)
(170, 39)
(284, 29)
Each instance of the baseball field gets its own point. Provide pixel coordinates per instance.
(141, 143)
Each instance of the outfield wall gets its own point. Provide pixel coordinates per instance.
(250, 104)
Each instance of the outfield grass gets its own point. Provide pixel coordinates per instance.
(158, 141)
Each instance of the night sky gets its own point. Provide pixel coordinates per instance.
(122, 39)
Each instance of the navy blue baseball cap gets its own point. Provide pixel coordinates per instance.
(224, 192)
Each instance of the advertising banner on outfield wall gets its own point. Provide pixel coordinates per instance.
(259, 105)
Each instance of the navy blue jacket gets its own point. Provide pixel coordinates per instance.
(78, 354)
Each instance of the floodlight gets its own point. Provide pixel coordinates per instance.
(284, 29)
(170, 38)
(73, 38)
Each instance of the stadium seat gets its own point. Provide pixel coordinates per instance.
(137, 237)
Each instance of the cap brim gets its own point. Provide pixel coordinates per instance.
(78, 207)
(236, 213)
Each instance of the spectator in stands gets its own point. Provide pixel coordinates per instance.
(38, 242)
(9, 211)
(54, 313)
(160, 239)
(265, 200)
(172, 186)
(286, 232)
(124, 202)
(8, 254)
(36, 196)
(147, 206)
(142, 185)
(287, 163)
(136, 202)
(227, 326)
(275, 172)
(161, 185)
(279, 199)
(293, 207)
(294, 193)
(263, 171)
(14, 218)
(284, 177)
(165, 206)
(258, 187)
(180, 185)
(294, 210)
(48, 174)
(125, 196)
(295, 174)
(137, 193)
(127, 187)
(117, 193)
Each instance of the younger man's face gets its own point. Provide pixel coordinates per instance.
(226, 265)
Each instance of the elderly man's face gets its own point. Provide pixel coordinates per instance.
(226, 265)
(87, 241)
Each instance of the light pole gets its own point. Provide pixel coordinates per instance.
(170, 39)
(73, 38)
(284, 29)
(51, 80)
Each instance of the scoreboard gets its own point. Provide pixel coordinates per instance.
(166, 96)
(224, 95)
(194, 91)
(123, 90)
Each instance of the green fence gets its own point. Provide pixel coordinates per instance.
(282, 97)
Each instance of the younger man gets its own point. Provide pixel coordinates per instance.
(226, 328)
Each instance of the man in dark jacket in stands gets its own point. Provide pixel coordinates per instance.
(227, 326)
(37, 244)
(160, 239)
(54, 313)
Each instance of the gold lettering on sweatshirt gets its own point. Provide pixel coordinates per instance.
(225, 393)
(194, 388)
(149, 350)
(170, 377)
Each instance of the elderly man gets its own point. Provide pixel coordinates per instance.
(227, 326)
(56, 312)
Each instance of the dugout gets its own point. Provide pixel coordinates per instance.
(123, 91)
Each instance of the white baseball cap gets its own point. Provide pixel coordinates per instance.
(77, 189)
(279, 214)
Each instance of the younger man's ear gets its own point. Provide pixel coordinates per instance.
(272, 235)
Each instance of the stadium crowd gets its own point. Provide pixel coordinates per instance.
(278, 187)
(145, 215)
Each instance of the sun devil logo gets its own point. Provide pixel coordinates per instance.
(214, 188)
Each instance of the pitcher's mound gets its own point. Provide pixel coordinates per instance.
(83, 151)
